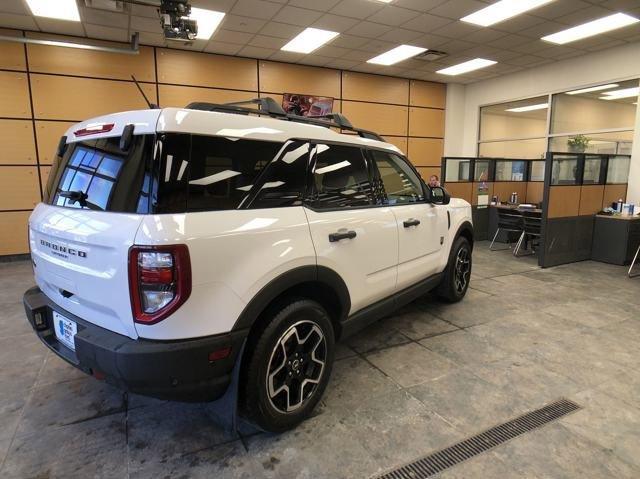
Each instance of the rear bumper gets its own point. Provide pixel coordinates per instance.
(176, 370)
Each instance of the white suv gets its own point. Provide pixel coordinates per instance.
(176, 243)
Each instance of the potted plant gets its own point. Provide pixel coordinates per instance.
(578, 143)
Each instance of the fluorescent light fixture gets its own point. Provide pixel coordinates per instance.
(384, 1)
(624, 93)
(465, 67)
(396, 55)
(502, 10)
(308, 40)
(589, 29)
(593, 88)
(208, 21)
(520, 109)
(59, 9)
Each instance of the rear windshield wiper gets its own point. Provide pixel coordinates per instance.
(79, 197)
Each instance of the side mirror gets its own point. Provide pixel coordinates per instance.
(439, 196)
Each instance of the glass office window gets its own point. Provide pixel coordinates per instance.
(517, 119)
(482, 170)
(612, 107)
(592, 170)
(618, 169)
(537, 170)
(457, 170)
(564, 170)
(510, 170)
(612, 143)
(526, 149)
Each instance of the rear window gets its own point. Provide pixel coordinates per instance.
(98, 175)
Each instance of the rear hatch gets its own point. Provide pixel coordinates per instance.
(95, 199)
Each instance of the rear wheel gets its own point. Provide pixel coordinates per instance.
(290, 366)
(457, 275)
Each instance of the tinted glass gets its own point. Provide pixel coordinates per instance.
(98, 175)
(510, 170)
(169, 190)
(340, 178)
(400, 185)
(618, 169)
(283, 181)
(592, 169)
(564, 170)
(457, 170)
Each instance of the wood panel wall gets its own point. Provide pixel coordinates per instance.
(45, 89)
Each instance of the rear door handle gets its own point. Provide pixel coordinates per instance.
(340, 235)
(411, 222)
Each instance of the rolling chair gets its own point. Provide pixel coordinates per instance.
(635, 258)
(532, 228)
(509, 221)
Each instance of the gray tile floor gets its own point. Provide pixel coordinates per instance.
(416, 382)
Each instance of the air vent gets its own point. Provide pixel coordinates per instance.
(431, 55)
(108, 5)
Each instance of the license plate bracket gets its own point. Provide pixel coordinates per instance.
(65, 329)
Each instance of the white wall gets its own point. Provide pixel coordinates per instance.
(614, 64)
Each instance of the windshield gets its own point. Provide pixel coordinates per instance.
(98, 175)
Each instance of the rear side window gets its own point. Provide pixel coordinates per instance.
(98, 175)
(340, 178)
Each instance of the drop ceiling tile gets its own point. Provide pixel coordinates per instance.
(223, 48)
(400, 35)
(288, 57)
(11, 20)
(391, 15)
(376, 47)
(620, 4)
(342, 64)
(229, 36)
(145, 24)
(483, 51)
(323, 6)
(62, 27)
(557, 9)
(267, 42)
(545, 28)
(456, 9)
(101, 17)
(484, 35)
(420, 5)
(155, 39)
(256, 9)
(256, 52)
(281, 30)
(334, 23)
(144, 11)
(510, 41)
(604, 46)
(315, 60)
(456, 30)
(519, 23)
(297, 16)
(456, 46)
(526, 60)
(575, 53)
(369, 30)
(242, 24)
(331, 51)
(196, 46)
(367, 68)
(357, 56)
(532, 47)
(504, 55)
(426, 23)
(627, 32)
(357, 8)
(218, 5)
(16, 7)
(106, 33)
(430, 41)
(349, 41)
(584, 15)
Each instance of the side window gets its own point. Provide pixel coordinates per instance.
(340, 178)
(283, 181)
(223, 171)
(171, 160)
(399, 184)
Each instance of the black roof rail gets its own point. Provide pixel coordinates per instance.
(270, 107)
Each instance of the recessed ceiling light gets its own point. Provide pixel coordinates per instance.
(502, 10)
(397, 54)
(384, 1)
(589, 29)
(465, 67)
(208, 21)
(593, 88)
(60, 10)
(520, 109)
(624, 93)
(309, 40)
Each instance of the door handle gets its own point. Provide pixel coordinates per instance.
(411, 222)
(340, 235)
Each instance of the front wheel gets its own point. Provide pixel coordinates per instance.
(457, 275)
(290, 366)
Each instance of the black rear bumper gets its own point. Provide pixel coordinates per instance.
(176, 370)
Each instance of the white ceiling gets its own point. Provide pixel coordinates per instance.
(258, 28)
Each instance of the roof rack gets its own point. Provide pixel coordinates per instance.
(268, 106)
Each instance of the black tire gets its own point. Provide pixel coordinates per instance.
(275, 361)
(457, 275)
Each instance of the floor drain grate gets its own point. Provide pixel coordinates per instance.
(439, 461)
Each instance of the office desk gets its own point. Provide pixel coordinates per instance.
(615, 238)
(493, 221)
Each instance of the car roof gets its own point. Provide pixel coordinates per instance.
(229, 125)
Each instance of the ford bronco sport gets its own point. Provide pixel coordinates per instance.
(173, 244)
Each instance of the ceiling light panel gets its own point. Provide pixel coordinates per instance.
(208, 21)
(308, 40)
(593, 88)
(397, 55)
(520, 109)
(471, 65)
(624, 93)
(59, 9)
(502, 10)
(589, 29)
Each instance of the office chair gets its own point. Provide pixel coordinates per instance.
(633, 275)
(532, 223)
(509, 221)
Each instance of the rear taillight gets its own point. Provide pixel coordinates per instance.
(159, 281)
